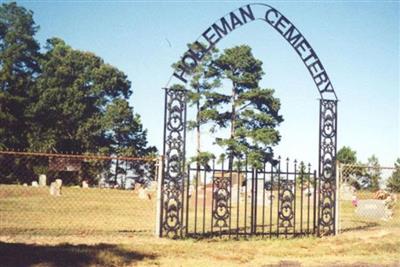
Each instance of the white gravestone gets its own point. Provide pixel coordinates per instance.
(143, 193)
(35, 184)
(373, 209)
(346, 191)
(55, 188)
(85, 184)
(42, 180)
(191, 190)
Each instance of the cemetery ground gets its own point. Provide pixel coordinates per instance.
(107, 227)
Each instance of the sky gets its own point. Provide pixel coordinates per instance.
(356, 41)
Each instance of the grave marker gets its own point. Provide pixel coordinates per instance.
(374, 209)
(42, 180)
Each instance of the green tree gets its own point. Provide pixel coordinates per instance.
(373, 174)
(393, 183)
(70, 99)
(125, 131)
(19, 54)
(346, 155)
(202, 83)
(80, 104)
(350, 172)
(127, 137)
(251, 112)
(62, 100)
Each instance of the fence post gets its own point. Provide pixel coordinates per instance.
(337, 204)
(160, 172)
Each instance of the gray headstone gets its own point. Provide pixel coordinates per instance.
(42, 180)
(373, 209)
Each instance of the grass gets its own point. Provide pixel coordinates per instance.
(32, 211)
(104, 227)
(240, 215)
(349, 220)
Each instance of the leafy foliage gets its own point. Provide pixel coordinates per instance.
(393, 183)
(251, 112)
(70, 104)
(19, 67)
(373, 174)
(202, 84)
(353, 173)
(346, 155)
(62, 100)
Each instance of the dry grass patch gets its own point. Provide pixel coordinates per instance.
(94, 227)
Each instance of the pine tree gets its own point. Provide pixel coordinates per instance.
(19, 54)
(346, 155)
(373, 173)
(251, 112)
(202, 83)
(351, 173)
(393, 183)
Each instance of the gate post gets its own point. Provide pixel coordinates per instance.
(338, 183)
(327, 167)
(173, 174)
(160, 174)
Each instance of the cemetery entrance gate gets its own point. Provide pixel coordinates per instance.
(275, 200)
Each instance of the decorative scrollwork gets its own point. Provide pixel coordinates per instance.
(221, 211)
(327, 166)
(174, 151)
(286, 211)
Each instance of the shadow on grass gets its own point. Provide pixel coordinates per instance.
(18, 254)
(366, 225)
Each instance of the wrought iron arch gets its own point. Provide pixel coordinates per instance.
(172, 190)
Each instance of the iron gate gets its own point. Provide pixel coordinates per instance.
(275, 200)
(179, 188)
(174, 190)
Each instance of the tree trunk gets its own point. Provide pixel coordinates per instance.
(233, 119)
(233, 115)
(198, 137)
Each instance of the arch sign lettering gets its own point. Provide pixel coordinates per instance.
(171, 219)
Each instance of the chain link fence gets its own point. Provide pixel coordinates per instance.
(59, 195)
(364, 200)
(64, 195)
